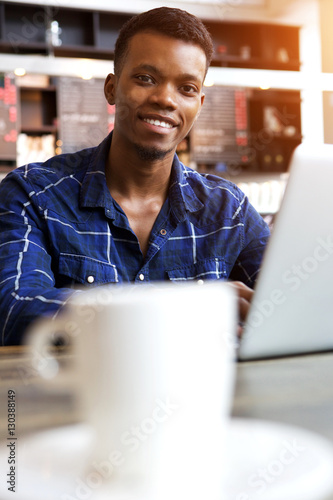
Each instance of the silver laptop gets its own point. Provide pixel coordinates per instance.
(292, 308)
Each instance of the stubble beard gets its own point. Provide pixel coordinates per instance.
(152, 153)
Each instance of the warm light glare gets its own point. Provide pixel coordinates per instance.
(264, 87)
(86, 75)
(19, 71)
(209, 82)
(85, 71)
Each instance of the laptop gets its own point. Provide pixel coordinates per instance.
(292, 308)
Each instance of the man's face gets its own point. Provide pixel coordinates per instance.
(158, 93)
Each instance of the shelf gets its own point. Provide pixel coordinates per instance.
(77, 27)
(279, 137)
(37, 88)
(45, 129)
(38, 109)
(276, 95)
(5, 158)
(25, 48)
(255, 45)
(255, 63)
(107, 28)
(88, 32)
(24, 25)
(38, 130)
(85, 52)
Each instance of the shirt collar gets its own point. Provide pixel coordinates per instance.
(95, 193)
(182, 197)
(94, 190)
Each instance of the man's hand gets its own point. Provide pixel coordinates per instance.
(244, 301)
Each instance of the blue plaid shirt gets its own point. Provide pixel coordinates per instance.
(60, 228)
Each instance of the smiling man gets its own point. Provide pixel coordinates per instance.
(128, 210)
(159, 88)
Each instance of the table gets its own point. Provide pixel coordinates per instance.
(296, 390)
(38, 405)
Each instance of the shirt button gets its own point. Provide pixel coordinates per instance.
(90, 279)
(163, 232)
(141, 277)
(200, 282)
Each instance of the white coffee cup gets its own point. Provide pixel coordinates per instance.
(154, 378)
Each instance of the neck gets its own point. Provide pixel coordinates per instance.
(130, 176)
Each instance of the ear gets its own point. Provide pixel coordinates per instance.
(202, 98)
(110, 88)
(198, 113)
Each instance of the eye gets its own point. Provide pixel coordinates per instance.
(145, 79)
(189, 89)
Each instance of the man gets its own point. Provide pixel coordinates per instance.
(128, 210)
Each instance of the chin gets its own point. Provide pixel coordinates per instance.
(150, 153)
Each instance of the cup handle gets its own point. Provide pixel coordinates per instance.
(39, 338)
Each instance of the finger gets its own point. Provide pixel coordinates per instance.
(243, 308)
(242, 290)
(240, 329)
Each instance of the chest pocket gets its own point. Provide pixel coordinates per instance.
(210, 269)
(81, 269)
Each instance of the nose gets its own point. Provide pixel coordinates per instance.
(164, 95)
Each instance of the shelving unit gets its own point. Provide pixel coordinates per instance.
(107, 27)
(83, 33)
(23, 29)
(93, 33)
(255, 45)
(38, 110)
(37, 127)
(246, 130)
(274, 128)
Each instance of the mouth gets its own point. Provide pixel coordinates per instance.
(158, 123)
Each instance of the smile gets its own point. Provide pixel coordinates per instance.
(158, 123)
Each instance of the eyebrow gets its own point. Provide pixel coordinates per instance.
(151, 68)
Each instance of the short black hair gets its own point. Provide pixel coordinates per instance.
(172, 22)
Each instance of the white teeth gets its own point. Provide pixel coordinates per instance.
(158, 123)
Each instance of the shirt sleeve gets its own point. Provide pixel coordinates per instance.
(256, 234)
(27, 284)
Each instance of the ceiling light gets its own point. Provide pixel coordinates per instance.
(19, 71)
